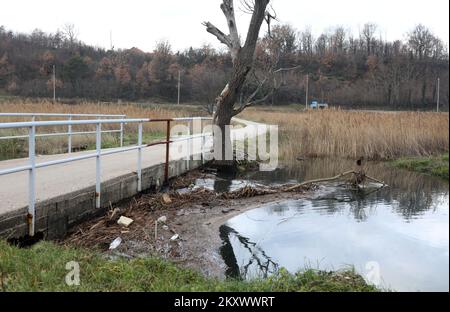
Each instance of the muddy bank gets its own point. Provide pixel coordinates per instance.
(187, 232)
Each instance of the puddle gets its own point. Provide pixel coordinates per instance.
(397, 238)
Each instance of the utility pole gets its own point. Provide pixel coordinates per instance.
(111, 40)
(307, 90)
(54, 84)
(438, 91)
(179, 86)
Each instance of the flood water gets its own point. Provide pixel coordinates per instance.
(396, 238)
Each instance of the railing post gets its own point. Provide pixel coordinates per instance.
(69, 139)
(166, 167)
(31, 179)
(98, 143)
(189, 143)
(139, 164)
(202, 141)
(121, 134)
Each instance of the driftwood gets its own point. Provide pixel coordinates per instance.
(359, 177)
(375, 180)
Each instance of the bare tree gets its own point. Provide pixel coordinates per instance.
(70, 33)
(307, 42)
(338, 40)
(421, 41)
(242, 57)
(368, 34)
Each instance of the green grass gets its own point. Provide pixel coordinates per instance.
(43, 268)
(18, 148)
(435, 166)
(129, 139)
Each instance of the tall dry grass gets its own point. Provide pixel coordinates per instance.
(18, 147)
(333, 132)
(132, 110)
(352, 134)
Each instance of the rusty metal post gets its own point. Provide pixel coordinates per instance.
(98, 144)
(166, 167)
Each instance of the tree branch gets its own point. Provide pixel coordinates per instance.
(259, 13)
(287, 69)
(339, 176)
(249, 102)
(252, 96)
(225, 39)
(228, 10)
(239, 110)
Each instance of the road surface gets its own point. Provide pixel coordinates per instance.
(65, 178)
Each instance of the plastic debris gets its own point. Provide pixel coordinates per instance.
(124, 221)
(175, 237)
(162, 219)
(115, 243)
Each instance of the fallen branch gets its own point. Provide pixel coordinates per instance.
(376, 180)
(297, 186)
(303, 184)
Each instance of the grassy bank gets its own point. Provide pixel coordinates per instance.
(43, 268)
(436, 166)
(352, 134)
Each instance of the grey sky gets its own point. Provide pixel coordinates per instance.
(140, 23)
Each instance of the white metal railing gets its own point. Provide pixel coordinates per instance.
(69, 132)
(32, 165)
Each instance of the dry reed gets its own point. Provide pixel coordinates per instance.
(47, 145)
(333, 132)
(352, 134)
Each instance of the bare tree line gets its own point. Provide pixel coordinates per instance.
(346, 70)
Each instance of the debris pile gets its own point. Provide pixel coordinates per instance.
(247, 192)
(144, 220)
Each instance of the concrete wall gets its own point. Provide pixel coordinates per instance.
(56, 216)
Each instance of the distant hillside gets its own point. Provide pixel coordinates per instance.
(343, 70)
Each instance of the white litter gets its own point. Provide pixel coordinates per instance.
(162, 219)
(124, 221)
(115, 243)
(175, 237)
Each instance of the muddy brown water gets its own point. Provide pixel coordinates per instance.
(396, 238)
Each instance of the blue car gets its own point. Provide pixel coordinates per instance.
(317, 105)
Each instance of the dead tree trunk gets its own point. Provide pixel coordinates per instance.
(243, 58)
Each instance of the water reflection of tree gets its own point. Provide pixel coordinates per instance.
(410, 194)
(278, 209)
(257, 257)
(414, 194)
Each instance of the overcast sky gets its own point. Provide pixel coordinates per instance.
(140, 23)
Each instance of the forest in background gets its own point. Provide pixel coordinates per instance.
(343, 69)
